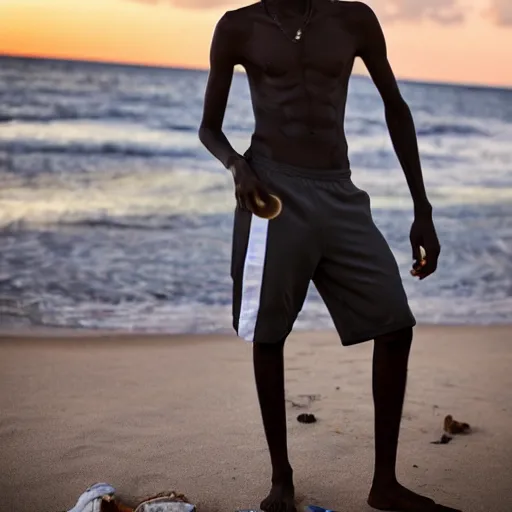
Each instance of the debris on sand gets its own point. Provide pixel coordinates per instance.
(102, 498)
(296, 405)
(166, 502)
(451, 428)
(306, 418)
(444, 440)
(455, 427)
(303, 401)
(315, 508)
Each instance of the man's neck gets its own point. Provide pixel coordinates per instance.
(290, 7)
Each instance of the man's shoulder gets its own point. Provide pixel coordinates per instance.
(240, 15)
(236, 22)
(354, 11)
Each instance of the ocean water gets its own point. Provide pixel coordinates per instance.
(113, 216)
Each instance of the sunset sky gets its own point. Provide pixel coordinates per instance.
(467, 41)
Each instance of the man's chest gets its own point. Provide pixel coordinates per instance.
(325, 46)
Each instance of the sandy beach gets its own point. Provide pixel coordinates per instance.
(154, 413)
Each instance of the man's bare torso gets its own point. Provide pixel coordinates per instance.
(299, 89)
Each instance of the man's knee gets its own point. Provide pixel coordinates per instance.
(400, 337)
(269, 347)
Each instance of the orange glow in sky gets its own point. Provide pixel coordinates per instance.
(475, 51)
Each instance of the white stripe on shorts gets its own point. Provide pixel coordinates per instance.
(252, 279)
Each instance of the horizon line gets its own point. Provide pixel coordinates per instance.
(468, 85)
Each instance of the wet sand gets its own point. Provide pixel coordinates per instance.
(153, 413)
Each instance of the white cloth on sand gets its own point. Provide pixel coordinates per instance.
(90, 500)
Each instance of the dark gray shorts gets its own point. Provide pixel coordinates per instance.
(325, 234)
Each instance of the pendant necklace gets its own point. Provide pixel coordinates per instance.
(300, 31)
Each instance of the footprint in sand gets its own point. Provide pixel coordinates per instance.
(303, 401)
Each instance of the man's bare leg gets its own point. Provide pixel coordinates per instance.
(269, 373)
(390, 361)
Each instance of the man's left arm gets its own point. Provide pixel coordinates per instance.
(372, 50)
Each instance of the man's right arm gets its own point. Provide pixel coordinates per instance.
(222, 62)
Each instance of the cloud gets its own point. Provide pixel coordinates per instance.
(194, 4)
(440, 11)
(500, 12)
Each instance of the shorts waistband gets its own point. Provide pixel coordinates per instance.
(267, 164)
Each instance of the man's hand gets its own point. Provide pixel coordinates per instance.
(247, 185)
(423, 234)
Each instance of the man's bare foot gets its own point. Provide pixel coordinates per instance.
(397, 498)
(280, 499)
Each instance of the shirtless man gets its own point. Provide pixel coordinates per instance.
(299, 55)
